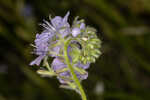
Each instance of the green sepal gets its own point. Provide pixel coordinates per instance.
(46, 73)
(95, 55)
(80, 70)
(62, 70)
(70, 86)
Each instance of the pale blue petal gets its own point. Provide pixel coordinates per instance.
(56, 21)
(37, 61)
(75, 32)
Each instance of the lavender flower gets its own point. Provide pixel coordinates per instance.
(61, 25)
(74, 48)
(41, 47)
(58, 65)
(44, 40)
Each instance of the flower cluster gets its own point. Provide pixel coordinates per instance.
(83, 49)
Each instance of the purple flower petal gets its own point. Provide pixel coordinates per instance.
(57, 64)
(61, 25)
(66, 17)
(56, 21)
(82, 26)
(75, 32)
(37, 61)
(56, 50)
(66, 74)
(82, 77)
(64, 31)
(84, 66)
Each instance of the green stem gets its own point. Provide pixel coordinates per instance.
(76, 80)
(47, 65)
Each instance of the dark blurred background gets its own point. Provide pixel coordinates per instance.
(121, 73)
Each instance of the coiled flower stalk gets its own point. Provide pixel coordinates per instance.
(73, 47)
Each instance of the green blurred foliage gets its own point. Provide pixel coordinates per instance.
(121, 73)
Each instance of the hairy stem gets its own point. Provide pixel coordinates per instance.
(76, 80)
